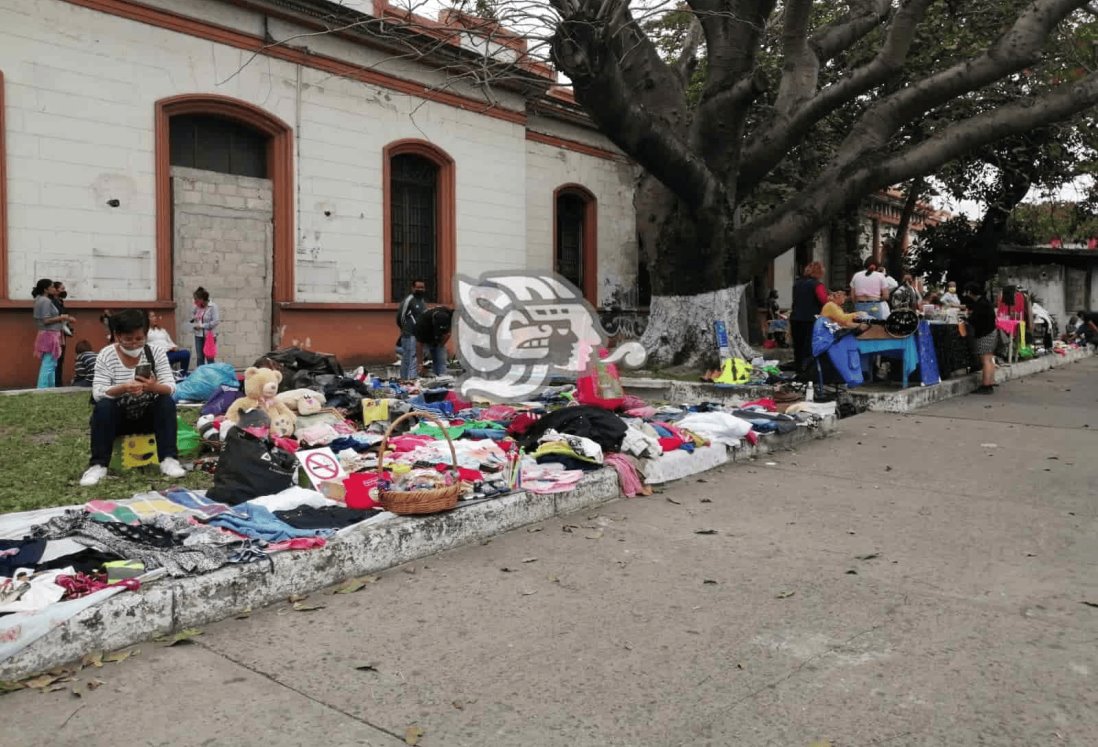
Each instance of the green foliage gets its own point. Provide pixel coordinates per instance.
(1038, 223)
(940, 248)
(44, 448)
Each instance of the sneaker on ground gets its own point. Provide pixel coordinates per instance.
(92, 475)
(172, 468)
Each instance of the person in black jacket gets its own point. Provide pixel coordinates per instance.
(809, 297)
(433, 332)
(981, 322)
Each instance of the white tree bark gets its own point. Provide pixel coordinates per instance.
(681, 329)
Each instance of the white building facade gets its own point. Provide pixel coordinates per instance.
(302, 177)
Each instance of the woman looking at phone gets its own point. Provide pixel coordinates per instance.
(132, 390)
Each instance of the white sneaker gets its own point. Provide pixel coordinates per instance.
(92, 475)
(171, 468)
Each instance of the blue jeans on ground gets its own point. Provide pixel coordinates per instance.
(108, 423)
(199, 355)
(182, 357)
(47, 372)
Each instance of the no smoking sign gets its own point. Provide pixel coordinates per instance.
(321, 466)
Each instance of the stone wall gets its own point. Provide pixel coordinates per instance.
(222, 241)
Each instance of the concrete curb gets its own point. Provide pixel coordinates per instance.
(912, 398)
(173, 604)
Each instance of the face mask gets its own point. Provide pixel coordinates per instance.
(131, 353)
(419, 293)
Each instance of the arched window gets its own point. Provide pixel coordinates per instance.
(185, 126)
(200, 141)
(575, 238)
(419, 220)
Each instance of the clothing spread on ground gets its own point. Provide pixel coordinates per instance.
(57, 562)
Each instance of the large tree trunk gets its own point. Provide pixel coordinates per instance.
(691, 289)
(681, 329)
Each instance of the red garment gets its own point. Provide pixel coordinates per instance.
(297, 543)
(521, 423)
(401, 444)
(821, 293)
(465, 475)
(358, 486)
(671, 443)
(766, 402)
(499, 413)
(458, 403)
(288, 444)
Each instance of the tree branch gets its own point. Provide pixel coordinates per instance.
(800, 67)
(840, 36)
(778, 137)
(798, 218)
(688, 60)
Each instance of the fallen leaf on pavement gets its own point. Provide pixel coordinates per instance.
(40, 682)
(553, 579)
(183, 636)
(244, 614)
(55, 689)
(785, 594)
(355, 584)
(94, 659)
(705, 500)
(569, 528)
(76, 692)
(709, 581)
(888, 468)
(118, 656)
(535, 529)
(95, 684)
(458, 704)
(505, 569)
(412, 735)
(297, 598)
(705, 531)
(529, 560)
(303, 607)
(7, 686)
(597, 534)
(367, 668)
(1090, 604)
(870, 556)
(529, 593)
(852, 572)
(410, 570)
(669, 499)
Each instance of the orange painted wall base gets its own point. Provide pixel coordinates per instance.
(354, 337)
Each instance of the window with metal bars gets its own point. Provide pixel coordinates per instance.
(569, 249)
(200, 141)
(413, 207)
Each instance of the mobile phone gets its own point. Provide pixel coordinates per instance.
(144, 371)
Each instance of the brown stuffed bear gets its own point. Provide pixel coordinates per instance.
(260, 391)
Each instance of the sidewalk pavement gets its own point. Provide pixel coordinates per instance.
(916, 579)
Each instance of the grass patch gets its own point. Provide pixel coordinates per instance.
(44, 449)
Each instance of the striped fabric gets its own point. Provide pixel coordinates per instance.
(111, 371)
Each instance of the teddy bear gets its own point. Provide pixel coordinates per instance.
(260, 391)
(302, 401)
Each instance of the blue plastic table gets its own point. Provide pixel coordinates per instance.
(916, 351)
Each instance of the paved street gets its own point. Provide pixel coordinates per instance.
(917, 579)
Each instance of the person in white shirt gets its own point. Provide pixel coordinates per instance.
(132, 389)
(950, 297)
(159, 337)
(870, 290)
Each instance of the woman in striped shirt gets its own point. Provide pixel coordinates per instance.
(132, 389)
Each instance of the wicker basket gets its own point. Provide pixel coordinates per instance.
(418, 501)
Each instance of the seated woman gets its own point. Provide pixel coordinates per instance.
(132, 389)
(833, 310)
(159, 337)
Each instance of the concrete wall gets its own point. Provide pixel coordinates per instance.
(223, 241)
(80, 92)
(784, 275)
(612, 183)
(1046, 282)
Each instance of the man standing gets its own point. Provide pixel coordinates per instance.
(411, 309)
(1088, 326)
(433, 331)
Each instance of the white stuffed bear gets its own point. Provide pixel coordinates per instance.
(303, 401)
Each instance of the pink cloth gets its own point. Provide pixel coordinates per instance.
(48, 342)
(499, 413)
(1007, 325)
(543, 481)
(872, 286)
(766, 402)
(645, 413)
(401, 444)
(630, 481)
(297, 543)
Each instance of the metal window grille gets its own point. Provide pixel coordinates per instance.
(569, 250)
(414, 224)
(213, 144)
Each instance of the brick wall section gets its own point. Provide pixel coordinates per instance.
(222, 241)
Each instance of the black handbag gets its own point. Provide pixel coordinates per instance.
(250, 467)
